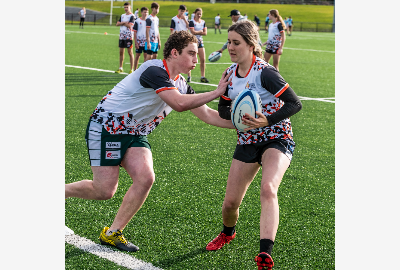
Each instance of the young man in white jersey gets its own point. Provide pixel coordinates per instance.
(153, 40)
(217, 23)
(180, 23)
(117, 131)
(139, 34)
(125, 23)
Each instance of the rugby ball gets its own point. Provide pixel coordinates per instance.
(247, 101)
(214, 57)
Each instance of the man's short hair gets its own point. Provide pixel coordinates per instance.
(178, 40)
(155, 5)
(127, 4)
(143, 8)
(182, 7)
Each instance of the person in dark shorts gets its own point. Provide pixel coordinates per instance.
(82, 15)
(117, 131)
(139, 35)
(267, 143)
(276, 38)
(125, 24)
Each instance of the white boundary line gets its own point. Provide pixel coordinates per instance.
(110, 71)
(116, 257)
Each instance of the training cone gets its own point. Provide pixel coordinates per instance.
(105, 33)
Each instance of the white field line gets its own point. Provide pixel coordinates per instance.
(110, 71)
(222, 43)
(117, 257)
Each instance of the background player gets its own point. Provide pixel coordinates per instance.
(290, 26)
(125, 24)
(235, 16)
(139, 34)
(153, 39)
(276, 38)
(198, 27)
(180, 23)
(266, 23)
(118, 128)
(82, 14)
(217, 23)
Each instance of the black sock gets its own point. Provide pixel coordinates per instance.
(266, 245)
(229, 231)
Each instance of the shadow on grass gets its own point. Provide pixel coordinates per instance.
(180, 258)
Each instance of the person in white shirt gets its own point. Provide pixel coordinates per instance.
(180, 23)
(137, 13)
(198, 27)
(125, 24)
(153, 39)
(217, 23)
(139, 35)
(116, 134)
(82, 14)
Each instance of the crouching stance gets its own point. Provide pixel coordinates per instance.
(117, 131)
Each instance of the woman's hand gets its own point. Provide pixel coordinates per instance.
(253, 122)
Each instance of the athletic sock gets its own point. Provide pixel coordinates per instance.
(266, 245)
(229, 231)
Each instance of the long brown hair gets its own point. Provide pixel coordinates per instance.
(275, 13)
(249, 32)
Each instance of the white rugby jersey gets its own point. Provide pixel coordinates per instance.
(152, 22)
(178, 24)
(217, 19)
(125, 32)
(198, 27)
(82, 13)
(140, 29)
(133, 105)
(274, 36)
(269, 84)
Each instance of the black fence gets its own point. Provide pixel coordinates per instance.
(165, 21)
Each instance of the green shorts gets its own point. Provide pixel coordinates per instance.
(107, 149)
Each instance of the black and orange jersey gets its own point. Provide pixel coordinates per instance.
(274, 92)
(133, 105)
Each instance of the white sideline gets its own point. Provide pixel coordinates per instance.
(110, 71)
(107, 253)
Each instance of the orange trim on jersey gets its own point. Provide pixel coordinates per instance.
(166, 67)
(177, 76)
(165, 88)
(226, 98)
(282, 90)
(251, 66)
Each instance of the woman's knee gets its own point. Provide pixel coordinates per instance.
(268, 191)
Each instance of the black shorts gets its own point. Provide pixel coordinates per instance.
(271, 51)
(126, 43)
(140, 50)
(82, 19)
(217, 24)
(252, 153)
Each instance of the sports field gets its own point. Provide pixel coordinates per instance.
(191, 162)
